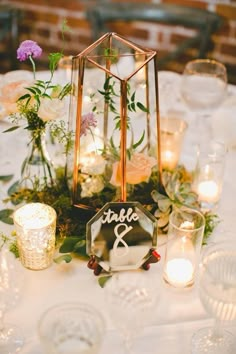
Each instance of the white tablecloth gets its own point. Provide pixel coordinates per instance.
(178, 314)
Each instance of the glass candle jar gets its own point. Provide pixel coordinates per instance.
(185, 235)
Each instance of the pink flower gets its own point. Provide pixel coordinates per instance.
(28, 49)
(138, 169)
(88, 120)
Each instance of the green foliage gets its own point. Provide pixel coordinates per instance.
(64, 258)
(6, 178)
(212, 220)
(109, 92)
(103, 280)
(64, 136)
(10, 241)
(178, 193)
(6, 216)
(71, 221)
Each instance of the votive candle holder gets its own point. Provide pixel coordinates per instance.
(35, 225)
(172, 136)
(209, 174)
(185, 235)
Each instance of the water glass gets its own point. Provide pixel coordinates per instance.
(209, 173)
(132, 297)
(217, 291)
(203, 88)
(71, 328)
(35, 225)
(204, 84)
(185, 235)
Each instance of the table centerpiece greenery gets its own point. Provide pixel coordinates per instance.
(38, 106)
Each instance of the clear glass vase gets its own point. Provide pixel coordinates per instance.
(37, 170)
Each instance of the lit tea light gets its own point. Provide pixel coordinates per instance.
(172, 135)
(169, 159)
(189, 225)
(179, 271)
(208, 191)
(35, 229)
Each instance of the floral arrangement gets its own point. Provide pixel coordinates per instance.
(38, 104)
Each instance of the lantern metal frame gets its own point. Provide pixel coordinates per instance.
(91, 57)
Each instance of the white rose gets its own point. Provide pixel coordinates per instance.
(91, 186)
(93, 164)
(51, 109)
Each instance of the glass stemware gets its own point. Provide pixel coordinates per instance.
(217, 291)
(203, 88)
(11, 339)
(131, 299)
(71, 328)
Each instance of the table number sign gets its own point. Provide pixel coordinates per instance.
(122, 236)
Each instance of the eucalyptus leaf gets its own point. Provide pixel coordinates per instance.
(79, 244)
(139, 141)
(6, 216)
(33, 90)
(6, 178)
(11, 129)
(102, 280)
(13, 188)
(64, 258)
(27, 95)
(142, 107)
(69, 244)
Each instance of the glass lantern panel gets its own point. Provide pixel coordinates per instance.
(114, 114)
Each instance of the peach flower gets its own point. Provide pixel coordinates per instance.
(9, 94)
(138, 169)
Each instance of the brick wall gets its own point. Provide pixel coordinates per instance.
(41, 22)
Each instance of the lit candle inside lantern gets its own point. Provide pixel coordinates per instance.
(35, 229)
(169, 159)
(172, 134)
(208, 191)
(179, 271)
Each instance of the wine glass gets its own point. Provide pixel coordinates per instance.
(11, 339)
(217, 291)
(203, 88)
(131, 298)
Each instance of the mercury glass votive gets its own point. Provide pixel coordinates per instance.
(185, 235)
(35, 225)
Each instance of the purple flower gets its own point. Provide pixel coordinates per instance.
(28, 48)
(88, 120)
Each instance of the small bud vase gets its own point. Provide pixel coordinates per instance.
(37, 170)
